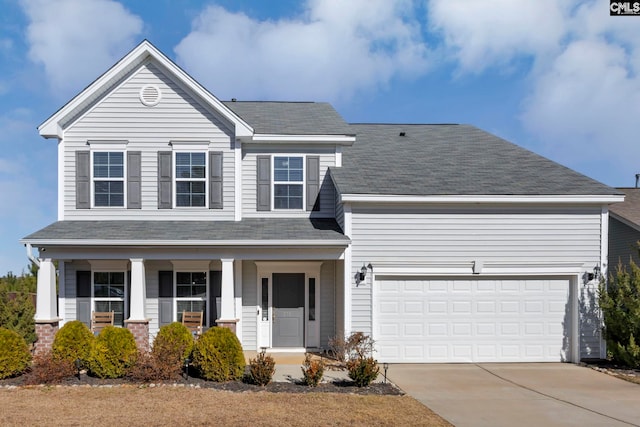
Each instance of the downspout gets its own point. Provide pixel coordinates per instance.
(30, 254)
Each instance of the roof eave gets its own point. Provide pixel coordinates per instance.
(346, 140)
(183, 243)
(526, 199)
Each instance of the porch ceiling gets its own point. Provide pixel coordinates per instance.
(258, 231)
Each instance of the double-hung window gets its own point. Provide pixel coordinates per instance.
(191, 183)
(108, 293)
(191, 293)
(108, 178)
(288, 182)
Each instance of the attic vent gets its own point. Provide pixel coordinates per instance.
(150, 95)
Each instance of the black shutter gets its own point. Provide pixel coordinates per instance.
(83, 297)
(165, 178)
(83, 180)
(263, 193)
(165, 294)
(313, 183)
(134, 180)
(215, 285)
(215, 180)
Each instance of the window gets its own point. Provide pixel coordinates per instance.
(191, 185)
(108, 178)
(108, 293)
(191, 293)
(288, 182)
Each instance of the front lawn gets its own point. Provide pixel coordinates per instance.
(167, 405)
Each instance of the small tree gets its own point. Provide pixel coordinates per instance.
(620, 305)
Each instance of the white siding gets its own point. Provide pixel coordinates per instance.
(327, 193)
(409, 237)
(121, 116)
(327, 302)
(249, 305)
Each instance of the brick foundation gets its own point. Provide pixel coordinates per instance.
(230, 324)
(45, 332)
(140, 331)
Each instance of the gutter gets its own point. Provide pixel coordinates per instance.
(30, 254)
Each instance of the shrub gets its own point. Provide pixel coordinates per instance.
(112, 353)
(174, 341)
(312, 371)
(363, 371)
(150, 367)
(620, 304)
(218, 355)
(261, 369)
(14, 354)
(357, 345)
(48, 370)
(73, 341)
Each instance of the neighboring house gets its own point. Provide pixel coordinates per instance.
(624, 230)
(289, 226)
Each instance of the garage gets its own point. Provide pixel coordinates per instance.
(469, 319)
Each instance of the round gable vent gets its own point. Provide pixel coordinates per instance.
(150, 95)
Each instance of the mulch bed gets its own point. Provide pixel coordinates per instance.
(610, 368)
(344, 386)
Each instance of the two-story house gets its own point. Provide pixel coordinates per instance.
(289, 226)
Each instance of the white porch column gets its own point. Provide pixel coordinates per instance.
(138, 290)
(46, 292)
(227, 309)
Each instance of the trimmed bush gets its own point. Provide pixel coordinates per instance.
(261, 369)
(14, 354)
(173, 344)
(218, 355)
(312, 371)
(48, 370)
(363, 371)
(73, 341)
(175, 341)
(112, 353)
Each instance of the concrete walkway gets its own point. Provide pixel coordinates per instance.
(544, 394)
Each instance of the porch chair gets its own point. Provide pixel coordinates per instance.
(100, 319)
(193, 321)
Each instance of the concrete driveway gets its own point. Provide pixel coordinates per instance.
(521, 394)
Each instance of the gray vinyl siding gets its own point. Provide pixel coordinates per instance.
(249, 181)
(249, 305)
(622, 244)
(411, 236)
(327, 302)
(151, 269)
(122, 117)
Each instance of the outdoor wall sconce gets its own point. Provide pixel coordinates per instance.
(596, 273)
(362, 273)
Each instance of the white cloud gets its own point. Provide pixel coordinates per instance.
(331, 51)
(77, 40)
(583, 84)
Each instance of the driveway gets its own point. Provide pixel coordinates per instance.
(521, 394)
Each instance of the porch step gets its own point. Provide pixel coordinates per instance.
(279, 357)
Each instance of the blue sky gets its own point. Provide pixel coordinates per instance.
(558, 77)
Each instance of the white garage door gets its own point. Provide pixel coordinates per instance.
(432, 320)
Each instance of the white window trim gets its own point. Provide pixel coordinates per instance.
(109, 148)
(191, 148)
(303, 183)
(124, 299)
(205, 319)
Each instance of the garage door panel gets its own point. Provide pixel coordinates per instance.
(471, 320)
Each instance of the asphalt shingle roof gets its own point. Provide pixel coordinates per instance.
(630, 208)
(293, 229)
(450, 160)
(290, 118)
